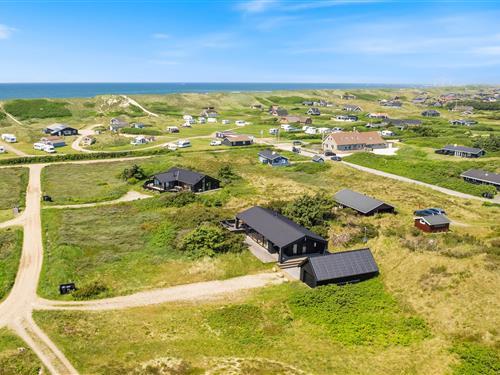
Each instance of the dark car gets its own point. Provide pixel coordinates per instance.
(336, 158)
(330, 153)
(438, 211)
(296, 150)
(426, 212)
(297, 143)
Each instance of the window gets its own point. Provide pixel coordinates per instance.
(315, 244)
(295, 248)
(304, 249)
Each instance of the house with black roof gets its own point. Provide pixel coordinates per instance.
(313, 111)
(433, 223)
(60, 130)
(178, 179)
(478, 176)
(278, 234)
(338, 268)
(431, 113)
(361, 203)
(272, 158)
(462, 151)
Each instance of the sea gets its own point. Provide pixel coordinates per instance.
(87, 90)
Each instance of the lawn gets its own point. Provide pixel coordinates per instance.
(13, 182)
(268, 331)
(416, 164)
(36, 108)
(16, 357)
(11, 242)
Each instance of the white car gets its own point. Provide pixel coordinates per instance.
(182, 143)
(10, 138)
(274, 131)
(215, 142)
(2, 149)
(311, 130)
(39, 146)
(49, 149)
(240, 123)
(225, 122)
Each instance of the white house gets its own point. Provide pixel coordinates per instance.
(10, 138)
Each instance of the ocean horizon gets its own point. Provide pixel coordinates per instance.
(87, 90)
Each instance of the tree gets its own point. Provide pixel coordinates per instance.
(227, 175)
(310, 210)
(135, 172)
(490, 143)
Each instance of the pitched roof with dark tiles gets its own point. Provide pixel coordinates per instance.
(178, 174)
(343, 264)
(277, 228)
(481, 175)
(358, 201)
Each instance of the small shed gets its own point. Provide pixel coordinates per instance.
(272, 158)
(338, 268)
(433, 223)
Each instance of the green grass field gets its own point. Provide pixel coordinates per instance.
(356, 329)
(11, 242)
(16, 357)
(13, 182)
(416, 164)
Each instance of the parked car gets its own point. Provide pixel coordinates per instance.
(215, 142)
(297, 143)
(10, 138)
(182, 143)
(426, 212)
(296, 150)
(240, 123)
(336, 158)
(330, 153)
(172, 146)
(438, 211)
(2, 149)
(274, 131)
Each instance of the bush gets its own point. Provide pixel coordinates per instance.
(490, 143)
(179, 199)
(476, 359)
(210, 240)
(227, 175)
(309, 210)
(133, 174)
(36, 108)
(140, 131)
(90, 290)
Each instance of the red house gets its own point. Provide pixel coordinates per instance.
(433, 223)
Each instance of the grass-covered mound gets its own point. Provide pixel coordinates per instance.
(476, 359)
(16, 357)
(24, 109)
(11, 241)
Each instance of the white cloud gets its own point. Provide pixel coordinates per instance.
(256, 6)
(6, 31)
(160, 36)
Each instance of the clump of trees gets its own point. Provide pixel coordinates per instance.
(133, 174)
(208, 240)
(310, 211)
(490, 143)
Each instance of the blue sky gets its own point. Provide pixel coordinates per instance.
(433, 42)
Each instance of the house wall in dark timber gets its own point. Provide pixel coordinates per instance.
(309, 247)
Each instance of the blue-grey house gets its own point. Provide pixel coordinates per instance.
(272, 158)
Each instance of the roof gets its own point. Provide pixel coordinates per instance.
(275, 227)
(481, 175)
(178, 174)
(57, 127)
(296, 118)
(435, 219)
(270, 154)
(237, 138)
(317, 158)
(343, 264)
(352, 106)
(358, 201)
(349, 138)
(471, 150)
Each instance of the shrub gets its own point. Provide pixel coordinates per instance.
(490, 143)
(476, 359)
(134, 172)
(90, 290)
(209, 240)
(227, 175)
(310, 210)
(179, 199)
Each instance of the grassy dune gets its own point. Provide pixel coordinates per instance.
(15, 357)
